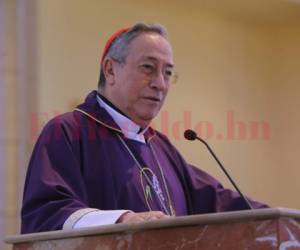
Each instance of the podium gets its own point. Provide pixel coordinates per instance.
(270, 228)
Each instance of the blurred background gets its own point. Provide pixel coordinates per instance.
(238, 86)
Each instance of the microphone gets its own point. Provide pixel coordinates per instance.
(191, 136)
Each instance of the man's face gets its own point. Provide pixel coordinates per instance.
(140, 85)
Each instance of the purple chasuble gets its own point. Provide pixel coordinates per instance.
(80, 162)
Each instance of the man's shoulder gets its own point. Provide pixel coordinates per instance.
(163, 140)
(69, 122)
(69, 118)
(161, 136)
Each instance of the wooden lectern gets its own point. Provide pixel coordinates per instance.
(271, 228)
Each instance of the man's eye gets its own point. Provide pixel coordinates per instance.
(147, 68)
(169, 73)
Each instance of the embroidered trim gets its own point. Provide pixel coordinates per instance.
(150, 137)
(76, 216)
(95, 119)
(104, 124)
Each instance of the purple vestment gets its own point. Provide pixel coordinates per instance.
(80, 162)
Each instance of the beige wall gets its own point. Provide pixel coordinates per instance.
(285, 94)
(229, 62)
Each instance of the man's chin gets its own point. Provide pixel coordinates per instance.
(146, 119)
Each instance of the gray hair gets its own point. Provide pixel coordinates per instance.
(120, 46)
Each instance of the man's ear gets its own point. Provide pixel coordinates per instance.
(108, 71)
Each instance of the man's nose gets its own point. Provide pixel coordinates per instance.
(159, 81)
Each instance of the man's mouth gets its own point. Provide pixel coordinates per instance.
(154, 99)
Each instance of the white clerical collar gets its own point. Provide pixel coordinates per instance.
(128, 127)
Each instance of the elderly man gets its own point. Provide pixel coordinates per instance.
(103, 163)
